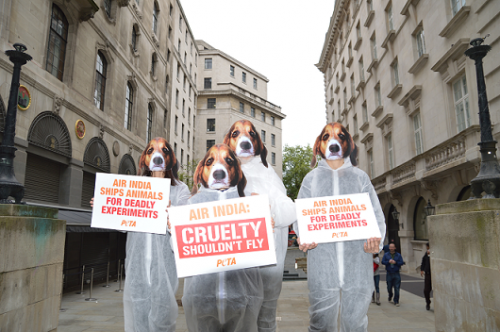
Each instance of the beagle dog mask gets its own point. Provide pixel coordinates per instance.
(245, 141)
(333, 143)
(220, 169)
(158, 156)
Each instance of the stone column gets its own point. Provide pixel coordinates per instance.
(31, 267)
(21, 159)
(465, 265)
(70, 192)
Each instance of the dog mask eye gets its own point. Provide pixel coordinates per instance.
(235, 133)
(165, 150)
(210, 161)
(229, 161)
(342, 136)
(325, 137)
(252, 133)
(150, 150)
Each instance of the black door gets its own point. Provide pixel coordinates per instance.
(393, 229)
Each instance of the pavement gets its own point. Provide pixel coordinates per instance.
(106, 313)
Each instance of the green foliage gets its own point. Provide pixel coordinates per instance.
(296, 165)
(186, 173)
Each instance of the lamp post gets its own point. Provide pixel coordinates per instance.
(395, 216)
(488, 179)
(9, 186)
(429, 209)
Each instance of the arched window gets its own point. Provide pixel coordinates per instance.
(153, 64)
(149, 122)
(155, 17)
(129, 100)
(134, 39)
(100, 81)
(56, 49)
(420, 221)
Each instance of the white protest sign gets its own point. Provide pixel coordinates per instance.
(336, 218)
(222, 236)
(131, 203)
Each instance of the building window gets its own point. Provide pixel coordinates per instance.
(211, 125)
(180, 22)
(255, 83)
(208, 63)
(420, 221)
(182, 157)
(272, 121)
(365, 112)
(175, 148)
(353, 86)
(371, 165)
(176, 123)
(171, 10)
(252, 112)
(373, 42)
(190, 69)
(263, 135)
(378, 96)
(176, 98)
(263, 116)
(273, 139)
(210, 143)
(182, 132)
(461, 97)
(370, 5)
(208, 83)
(129, 100)
(189, 115)
(191, 49)
(361, 70)
(395, 73)
(134, 38)
(231, 70)
(355, 120)
(190, 89)
(107, 7)
(149, 123)
(168, 55)
(183, 106)
(390, 151)
(189, 138)
(456, 5)
(417, 126)
(179, 46)
(419, 36)
(345, 98)
(165, 117)
(186, 36)
(244, 77)
(390, 20)
(153, 64)
(242, 107)
(56, 50)
(185, 57)
(211, 102)
(169, 32)
(273, 158)
(167, 80)
(155, 18)
(100, 81)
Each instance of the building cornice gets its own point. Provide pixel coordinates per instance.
(330, 35)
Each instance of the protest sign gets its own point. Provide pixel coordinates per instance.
(131, 203)
(222, 236)
(336, 218)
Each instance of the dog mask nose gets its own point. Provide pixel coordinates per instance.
(157, 161)
(219, 174)
(334, 148)
(245, 145)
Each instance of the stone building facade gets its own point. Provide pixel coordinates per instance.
(396, 76)
(230, 91)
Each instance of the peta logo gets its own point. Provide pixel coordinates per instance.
(226, 261)
(128, 223)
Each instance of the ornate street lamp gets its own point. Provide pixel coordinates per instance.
(9, 186)
(395, 215)
(429, 209)
(488, 179)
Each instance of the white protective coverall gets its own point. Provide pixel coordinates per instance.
(225, 301)
(340, 274)
(151, 278)
(264, 180)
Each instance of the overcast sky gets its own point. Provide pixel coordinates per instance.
(281, 39)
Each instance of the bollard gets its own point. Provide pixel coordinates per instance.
(91, 285)
(83, 277)
(107, 277)
(118, 269)
(119, 290)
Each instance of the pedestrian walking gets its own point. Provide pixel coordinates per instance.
(386, 247)
(376, 279)
(393, 262)
(425, 269)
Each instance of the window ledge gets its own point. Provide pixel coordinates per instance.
(395, 91)
(358, 43)
(405, 11)
(155, 39)
(345, 110)
(355, 136)
(372, 65)
(330, 101)
(378, 111)
(135, 53)
(369, 19)
(123, 3)
(153, 77)
(210, 132)
(455, 52)
(349, 62)
(352, 99)
(419, 63)
(342, 77)
(361, 85)
(389, 38)
(337, 88)
(364, 126)
(454, 23)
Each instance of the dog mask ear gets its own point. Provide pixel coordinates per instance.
(316, 150)
(143, 169)
(263, 154)
(354, 155)
(227, 137)
(242, 184)
(197, 176)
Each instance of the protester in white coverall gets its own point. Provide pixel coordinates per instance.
(340, 274)
(262, 179)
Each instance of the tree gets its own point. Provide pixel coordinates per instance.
(186, 173)
(296, 164)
